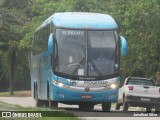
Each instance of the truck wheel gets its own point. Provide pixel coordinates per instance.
(106, 106)
(148, 109)
(125, 106)
(117, 107)
(157, 109)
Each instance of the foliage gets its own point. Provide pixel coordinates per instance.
(141, 27)
(11, 21)
(138, 22)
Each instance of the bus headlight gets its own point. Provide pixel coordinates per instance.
(57, 83)
(113, 86)
(60, 85)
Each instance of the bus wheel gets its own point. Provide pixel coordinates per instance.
(106, 106)
(46, 103)
(117, 107)
(53, 104)
(39, 103)
(88, 106)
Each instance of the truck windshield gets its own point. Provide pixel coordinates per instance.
(86, 53)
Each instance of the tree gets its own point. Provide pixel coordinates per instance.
(9, 39)
(138, 21)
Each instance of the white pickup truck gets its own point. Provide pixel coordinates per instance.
(139, 92)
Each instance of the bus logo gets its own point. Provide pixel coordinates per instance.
(74, 83)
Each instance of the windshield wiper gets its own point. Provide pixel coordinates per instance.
(96, 68)
(80, 63)
(92, 63)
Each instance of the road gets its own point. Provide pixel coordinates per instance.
(96, 114)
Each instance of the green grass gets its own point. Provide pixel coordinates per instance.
(58, 114)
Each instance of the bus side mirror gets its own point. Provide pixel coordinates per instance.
(123, 46)
(51, 43)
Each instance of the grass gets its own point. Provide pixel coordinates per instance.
(57, 113)
(16, 94)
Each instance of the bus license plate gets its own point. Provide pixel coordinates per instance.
(86, 96)
(145, 99)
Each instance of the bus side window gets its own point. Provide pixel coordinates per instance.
(34, 46)
(40, 42)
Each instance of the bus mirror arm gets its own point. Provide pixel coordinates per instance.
(123, 46)
(51, 43)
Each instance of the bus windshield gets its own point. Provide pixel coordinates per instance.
(86, 52)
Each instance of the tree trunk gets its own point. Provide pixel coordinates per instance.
(12, 70)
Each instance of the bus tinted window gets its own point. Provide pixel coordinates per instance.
(40, 42)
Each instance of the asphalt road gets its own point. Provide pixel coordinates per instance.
(96, 114)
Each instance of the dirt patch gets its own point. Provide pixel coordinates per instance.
(16, 94)
(22, 94)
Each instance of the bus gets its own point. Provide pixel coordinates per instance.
(75, 60)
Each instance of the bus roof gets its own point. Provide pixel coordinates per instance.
(82, 20)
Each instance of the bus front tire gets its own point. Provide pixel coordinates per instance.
(106, 106)
(53, 104)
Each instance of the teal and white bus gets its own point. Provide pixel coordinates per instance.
(75, 59)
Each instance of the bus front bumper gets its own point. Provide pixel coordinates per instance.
(63, 94)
